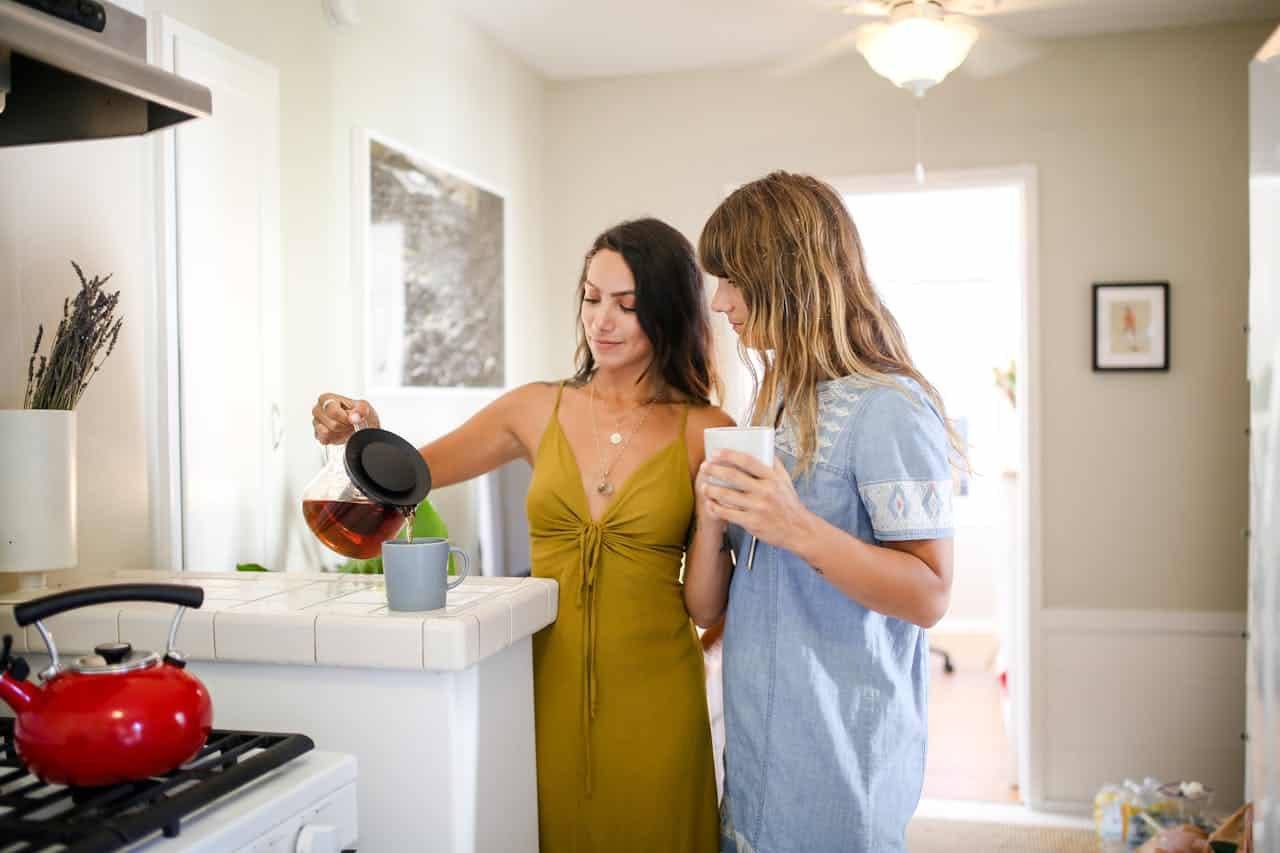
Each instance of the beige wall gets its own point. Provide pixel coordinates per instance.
(414, 72)
(1140, 142)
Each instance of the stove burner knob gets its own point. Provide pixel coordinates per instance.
(113, 653)
(317, 838)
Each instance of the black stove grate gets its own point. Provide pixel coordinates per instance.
(35, 817)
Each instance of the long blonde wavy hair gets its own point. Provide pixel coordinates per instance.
(789, 244)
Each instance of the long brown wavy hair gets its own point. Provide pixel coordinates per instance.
(669, 305)
(789, 244)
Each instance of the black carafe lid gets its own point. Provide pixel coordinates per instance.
(388, 469)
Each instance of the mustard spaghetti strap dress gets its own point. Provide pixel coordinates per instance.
(623, 738)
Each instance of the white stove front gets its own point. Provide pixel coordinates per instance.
(305, 806)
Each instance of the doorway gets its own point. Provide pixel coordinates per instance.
(951, 259)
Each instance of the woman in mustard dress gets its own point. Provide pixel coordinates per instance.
(623, 737)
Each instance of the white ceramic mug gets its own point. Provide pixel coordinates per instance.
(753, 441)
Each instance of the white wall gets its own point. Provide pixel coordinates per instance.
(59, 204)
(413, 71)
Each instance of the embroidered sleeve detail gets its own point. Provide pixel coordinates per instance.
(901, 507)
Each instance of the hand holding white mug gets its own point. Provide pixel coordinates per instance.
(334, 417)
(759, 498)
(704, 510)
(753, 443)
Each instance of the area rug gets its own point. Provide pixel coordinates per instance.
(958, 836)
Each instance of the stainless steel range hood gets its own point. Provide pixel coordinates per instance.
(62, 82)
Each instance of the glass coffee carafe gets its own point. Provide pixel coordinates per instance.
(367, 490)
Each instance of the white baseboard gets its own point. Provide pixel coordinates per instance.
(1077, 812)
(1128, 694)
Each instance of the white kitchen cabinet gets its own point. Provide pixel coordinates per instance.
(219, 469)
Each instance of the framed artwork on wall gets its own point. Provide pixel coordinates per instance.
(1131, 326)
(430, 248)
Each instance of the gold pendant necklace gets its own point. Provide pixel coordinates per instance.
(603, 485)
(615, 437)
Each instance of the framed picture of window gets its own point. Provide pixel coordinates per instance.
(1131, 326)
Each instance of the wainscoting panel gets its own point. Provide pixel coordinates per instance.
(1129, 694)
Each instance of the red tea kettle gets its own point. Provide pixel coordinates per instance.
(114, 716)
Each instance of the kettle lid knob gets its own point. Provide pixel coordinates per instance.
(113, 653)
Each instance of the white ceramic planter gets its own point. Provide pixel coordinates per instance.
(37, 490)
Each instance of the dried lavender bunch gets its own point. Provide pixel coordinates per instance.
(88, 326)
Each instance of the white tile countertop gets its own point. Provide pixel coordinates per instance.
(297, 618)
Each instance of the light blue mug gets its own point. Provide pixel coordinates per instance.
(417, 573)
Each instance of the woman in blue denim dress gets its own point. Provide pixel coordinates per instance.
(826, 660)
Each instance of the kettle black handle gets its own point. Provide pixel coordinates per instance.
(60, 602)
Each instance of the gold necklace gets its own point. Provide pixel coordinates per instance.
(615, 437)
(603, 486)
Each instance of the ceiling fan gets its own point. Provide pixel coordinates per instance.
(917, 43)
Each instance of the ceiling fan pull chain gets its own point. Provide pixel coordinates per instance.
(919, 159)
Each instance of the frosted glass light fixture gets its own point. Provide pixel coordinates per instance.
(918, 47)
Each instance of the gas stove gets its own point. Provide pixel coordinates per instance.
(245, 791)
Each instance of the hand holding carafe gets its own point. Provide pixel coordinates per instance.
(371, 484)
(335, 417)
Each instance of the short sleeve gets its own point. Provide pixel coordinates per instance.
(901, 462)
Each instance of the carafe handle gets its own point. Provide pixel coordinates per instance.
(333, 452)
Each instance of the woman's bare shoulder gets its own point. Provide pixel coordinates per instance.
(706, 417)
(702, 418)
(534, 391)
(526, 410)
(532, 401)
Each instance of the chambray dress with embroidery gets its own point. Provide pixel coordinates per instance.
(825, 700)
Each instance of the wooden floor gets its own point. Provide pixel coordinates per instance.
(969, 755)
